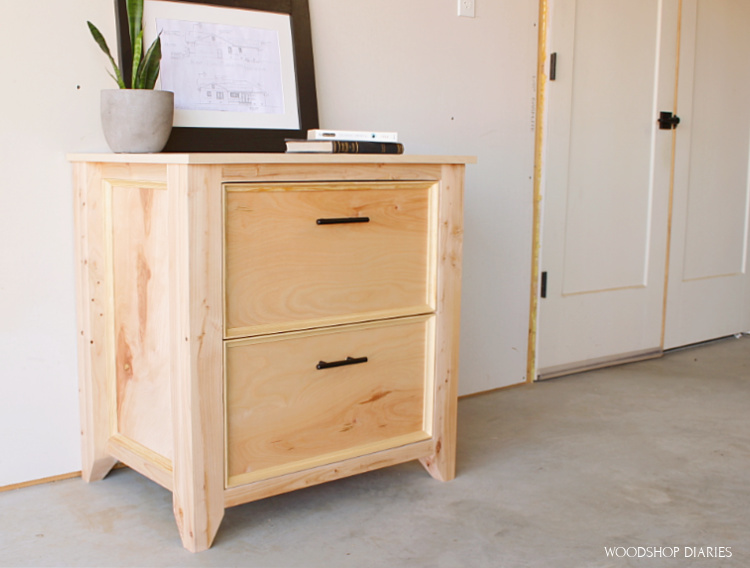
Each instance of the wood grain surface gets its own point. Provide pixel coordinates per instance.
(284, 414)
(284, 271)
(140, 253)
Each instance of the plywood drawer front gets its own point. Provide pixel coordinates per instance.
(284, 271)
(284, 414)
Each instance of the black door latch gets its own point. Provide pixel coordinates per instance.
(668, 121)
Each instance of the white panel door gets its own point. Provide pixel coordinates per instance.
(606, 181)
(708, 294)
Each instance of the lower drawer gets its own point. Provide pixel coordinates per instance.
(299, 400)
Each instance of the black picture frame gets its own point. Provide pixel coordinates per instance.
(189, 139)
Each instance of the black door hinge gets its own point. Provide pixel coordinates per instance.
(543, 287)
(553, 66)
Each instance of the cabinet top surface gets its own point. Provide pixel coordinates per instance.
(209, 158)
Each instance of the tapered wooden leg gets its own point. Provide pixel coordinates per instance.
(96, 468)
(197, 375)
(198, 491)
(442, 465)
(93, 317)
(99, 469)
(198, 502)
(94, 410)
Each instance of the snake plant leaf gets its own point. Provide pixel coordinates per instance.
(99, 38)
(114, 79)
(145, 66)
(137, 54)
(135, 19)
(150, 65)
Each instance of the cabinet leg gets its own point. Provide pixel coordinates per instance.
(442, 464)
(96, 463)
(93, 318)
(197, 520)
(198, 465)
(197, 352)
(98, 469)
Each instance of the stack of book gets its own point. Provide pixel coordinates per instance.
(347, 142)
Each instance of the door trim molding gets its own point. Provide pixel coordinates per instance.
(540, 117)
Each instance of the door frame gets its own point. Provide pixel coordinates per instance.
(541, 114)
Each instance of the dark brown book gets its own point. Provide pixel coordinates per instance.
(344, 147)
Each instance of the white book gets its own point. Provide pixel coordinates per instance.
(352, 135)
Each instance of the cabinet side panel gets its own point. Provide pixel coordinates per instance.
(140, 262)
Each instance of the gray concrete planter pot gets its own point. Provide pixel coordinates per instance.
(137, 120)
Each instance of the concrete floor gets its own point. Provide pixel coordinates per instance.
(651, 454)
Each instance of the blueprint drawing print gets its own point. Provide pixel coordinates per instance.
(218, 67)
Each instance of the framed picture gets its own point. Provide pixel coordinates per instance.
(241, 70)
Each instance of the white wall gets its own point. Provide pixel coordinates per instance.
(45, 56)
(451, 85)
(448, 85)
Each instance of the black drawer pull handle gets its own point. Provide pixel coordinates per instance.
(347, 361)
(342, 220)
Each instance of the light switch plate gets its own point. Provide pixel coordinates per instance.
(466, 8)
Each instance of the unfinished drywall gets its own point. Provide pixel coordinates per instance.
(448, 85)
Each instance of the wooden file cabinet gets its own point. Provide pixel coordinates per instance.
(251, 324)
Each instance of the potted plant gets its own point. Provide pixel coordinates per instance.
(135, 116)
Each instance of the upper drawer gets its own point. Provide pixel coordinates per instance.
(304, 255)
